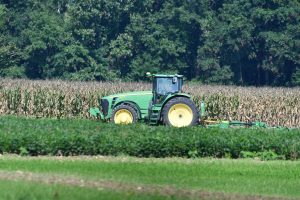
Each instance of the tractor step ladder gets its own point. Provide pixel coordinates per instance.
(154, 115)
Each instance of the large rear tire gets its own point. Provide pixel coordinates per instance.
(124, 114)
(180, 112)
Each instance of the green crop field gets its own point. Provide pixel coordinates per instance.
(27, 136)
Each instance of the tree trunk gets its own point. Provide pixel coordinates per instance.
(258, 71)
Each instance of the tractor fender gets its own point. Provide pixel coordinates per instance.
(132, 104)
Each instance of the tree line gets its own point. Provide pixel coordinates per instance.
(243, 42)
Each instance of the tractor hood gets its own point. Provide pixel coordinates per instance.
(130, 94)
(140, 100)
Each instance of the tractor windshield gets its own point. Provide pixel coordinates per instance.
(166, 85)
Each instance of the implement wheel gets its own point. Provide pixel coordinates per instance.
(124, 114)
(180, 112)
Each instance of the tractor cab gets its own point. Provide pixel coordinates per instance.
(169, 104)
(165, 85)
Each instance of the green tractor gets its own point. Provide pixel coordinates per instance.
(165, 104)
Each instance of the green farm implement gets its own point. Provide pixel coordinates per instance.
(166, 104)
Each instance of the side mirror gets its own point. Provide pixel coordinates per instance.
(175, 80)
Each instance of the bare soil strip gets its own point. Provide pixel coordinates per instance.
(118, 186)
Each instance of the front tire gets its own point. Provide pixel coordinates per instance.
(124, 114)
(180, 112)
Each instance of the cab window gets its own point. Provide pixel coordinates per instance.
(166, 85)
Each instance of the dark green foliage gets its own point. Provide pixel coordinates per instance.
(83, 137)
(225, 42)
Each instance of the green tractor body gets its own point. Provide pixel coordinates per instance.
(138, 100)
(166, 104)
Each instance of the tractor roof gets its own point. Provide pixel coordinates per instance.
(167, 76)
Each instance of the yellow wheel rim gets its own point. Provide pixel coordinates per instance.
(180, 115)
(123, 116)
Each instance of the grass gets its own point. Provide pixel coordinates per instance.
(243, 177)
(20, 190)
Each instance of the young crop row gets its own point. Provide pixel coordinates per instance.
(86, 137)
(59, 99)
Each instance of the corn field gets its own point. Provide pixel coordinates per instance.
(62, 99)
